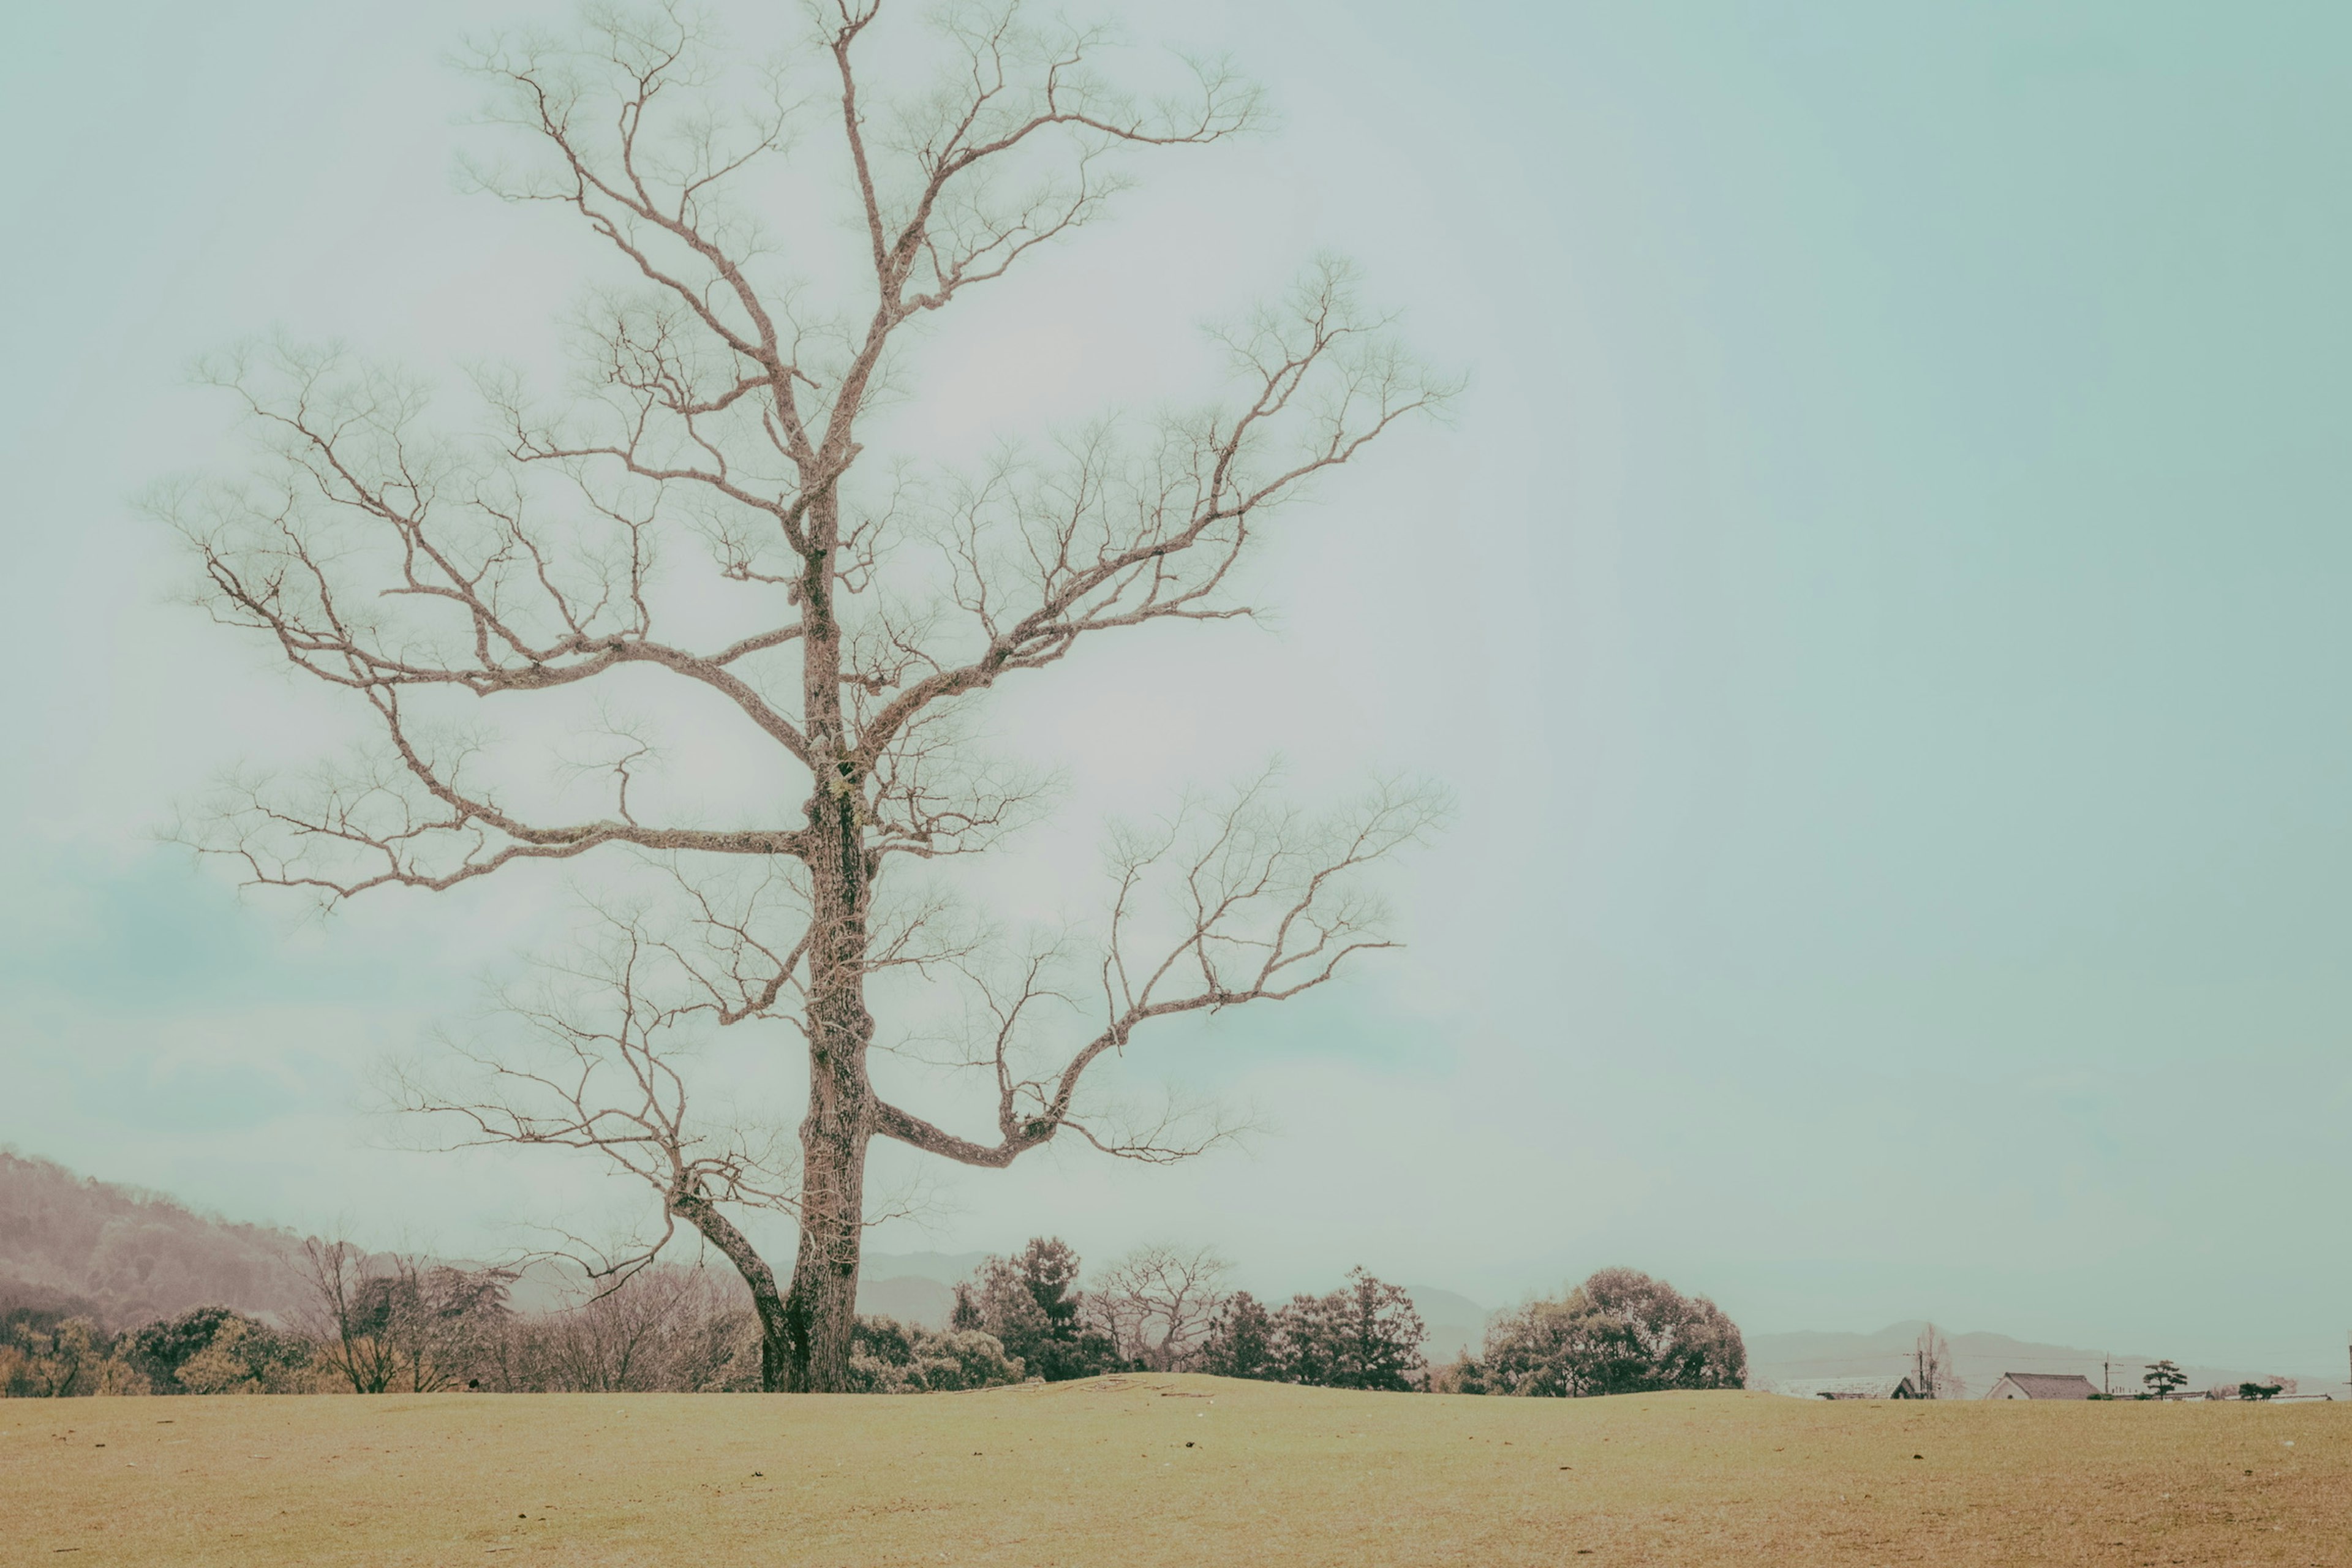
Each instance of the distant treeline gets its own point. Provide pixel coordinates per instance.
(387, 1324)
(409, 1327)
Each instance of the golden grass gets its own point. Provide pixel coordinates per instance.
(1151, 1470)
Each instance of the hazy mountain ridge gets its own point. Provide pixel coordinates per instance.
(909, 1297)
(126, 1255)
(948, 1269)
(914, 1287)
(1456, 1323)
(1792, 1360)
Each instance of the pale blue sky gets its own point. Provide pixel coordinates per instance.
(1887, 645)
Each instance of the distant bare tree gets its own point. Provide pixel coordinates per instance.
(393, 1321)
(705, 512)
(1932, 1372)
(1156, 1303)
(336, 1274)
(441, 1319)
(665, 1328)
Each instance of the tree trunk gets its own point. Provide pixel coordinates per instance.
(821, 1309)
(822, 1306)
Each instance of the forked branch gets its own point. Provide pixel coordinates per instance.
(1245, 900)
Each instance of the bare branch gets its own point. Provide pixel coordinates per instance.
(1158, 1302)
(596, 1057)
(1245, 900)
(1117, 537)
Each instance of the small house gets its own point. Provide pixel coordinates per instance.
(2042, 1385)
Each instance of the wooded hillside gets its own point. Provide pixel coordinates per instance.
(124, 1256)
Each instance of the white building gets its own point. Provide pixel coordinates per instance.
(2042, 1385)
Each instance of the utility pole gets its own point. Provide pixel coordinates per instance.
(1931, 1364)
(2107, 1374)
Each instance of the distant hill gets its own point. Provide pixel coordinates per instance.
(128, 1255)
(1789, 1362)
(946, 1268)
(914, 1287)
(1456, 1323)
(909, 1297)
(20, 1302)
(551, 1285)
(124, 1255)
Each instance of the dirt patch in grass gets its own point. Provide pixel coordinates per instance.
(1153, 1470)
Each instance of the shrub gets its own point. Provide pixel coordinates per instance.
(887, 1356)
(214, 1349)
(57, 1361)
(1621, 1331)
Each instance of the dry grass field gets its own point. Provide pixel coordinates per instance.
(1151, 1470)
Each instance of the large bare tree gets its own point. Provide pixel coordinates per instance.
(704, 508)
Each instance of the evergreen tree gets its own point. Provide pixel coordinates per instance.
(1365, 1334)
(1242, 1342)
(1030, 1303)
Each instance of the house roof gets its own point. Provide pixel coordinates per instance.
(2052, 1384)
